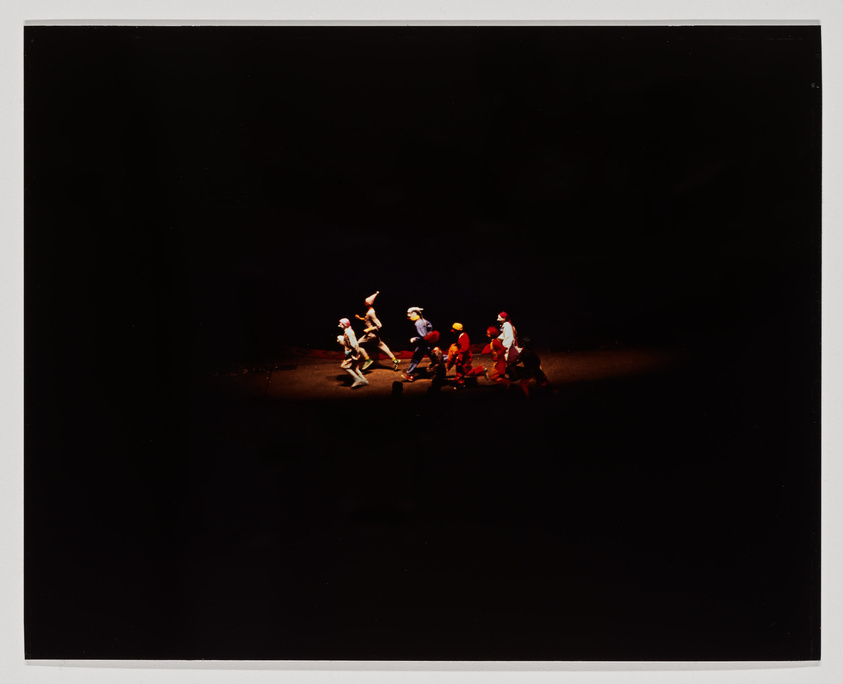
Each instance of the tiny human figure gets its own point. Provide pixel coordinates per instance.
(498, 351)
(352, 361)
(371, 333)
(509, 338)
(530, 367)
(422, 340)
(459, 355)
(436, 370)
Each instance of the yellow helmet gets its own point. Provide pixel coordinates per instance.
(457, 327)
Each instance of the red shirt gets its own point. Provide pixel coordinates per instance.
(498, 350)
(463, 343)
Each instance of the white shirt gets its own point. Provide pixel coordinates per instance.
(507, 337)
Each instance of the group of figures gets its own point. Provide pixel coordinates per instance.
(509, 360)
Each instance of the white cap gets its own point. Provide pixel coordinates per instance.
(371, 298)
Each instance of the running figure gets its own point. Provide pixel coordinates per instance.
(421, 340)
(459, 355)
(352, 361)
(372, 330)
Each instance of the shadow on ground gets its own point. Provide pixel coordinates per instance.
(628, 515)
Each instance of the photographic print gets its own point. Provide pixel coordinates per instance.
(422, 343)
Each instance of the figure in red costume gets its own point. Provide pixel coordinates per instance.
(498, 351)
(459, 355)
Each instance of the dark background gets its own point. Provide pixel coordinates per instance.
(198, 199)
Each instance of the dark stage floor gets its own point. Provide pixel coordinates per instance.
(637, 513)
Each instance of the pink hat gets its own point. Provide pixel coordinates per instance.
(371, 298)
(344, 323)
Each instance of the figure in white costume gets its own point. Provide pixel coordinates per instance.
(371, 333)
(508, 338)
(353, 358)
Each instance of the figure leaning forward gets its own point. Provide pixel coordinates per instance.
(498, 352)
(353, 358)
(371, 333)
(459, 355)
(424, 341)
